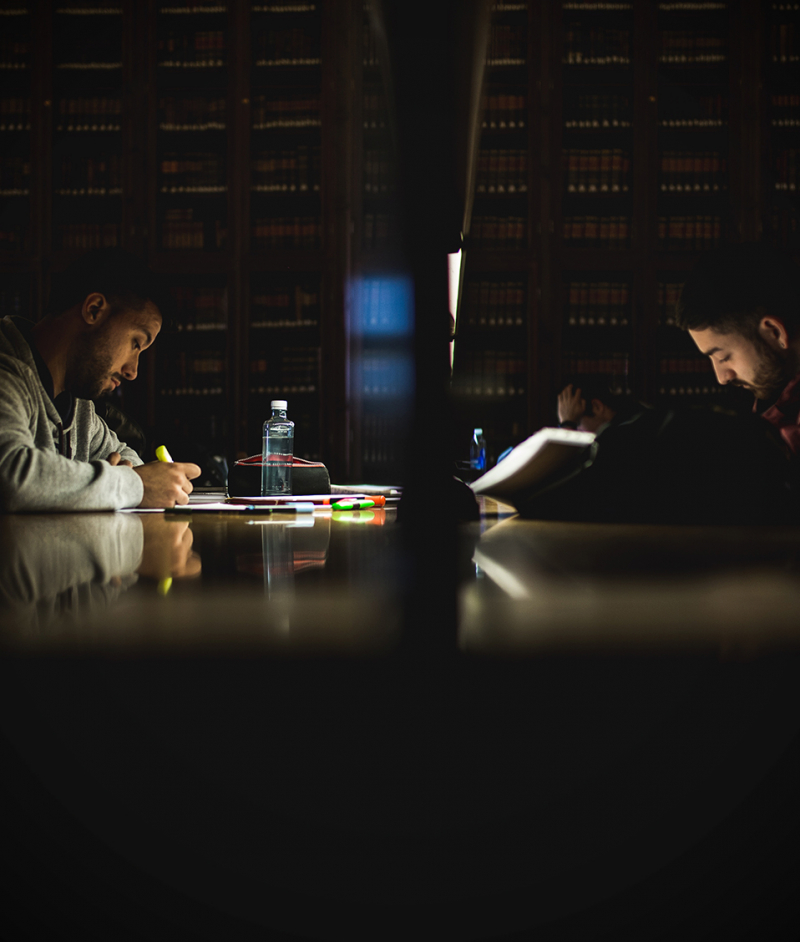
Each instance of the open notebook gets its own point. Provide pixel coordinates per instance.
(533, 461)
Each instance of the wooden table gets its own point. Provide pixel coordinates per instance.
(613, 741)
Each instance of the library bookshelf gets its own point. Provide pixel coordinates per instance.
(656, 131)
(203, 136)
(244, 148)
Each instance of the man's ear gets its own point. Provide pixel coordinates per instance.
(773, 331)
(95, 309)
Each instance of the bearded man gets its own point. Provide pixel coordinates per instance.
(56, 453)
(741, 306)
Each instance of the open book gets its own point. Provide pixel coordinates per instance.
(533, 461)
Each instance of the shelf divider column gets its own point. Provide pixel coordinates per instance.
(238, 121)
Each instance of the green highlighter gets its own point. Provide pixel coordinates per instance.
(352, 504)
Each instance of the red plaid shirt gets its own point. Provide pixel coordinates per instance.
(785, 414)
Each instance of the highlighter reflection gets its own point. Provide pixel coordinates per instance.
(376, 516)
(167, 551)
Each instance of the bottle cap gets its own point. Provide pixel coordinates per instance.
(477, 431)
(278, 404)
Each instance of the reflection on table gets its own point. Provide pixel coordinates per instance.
(211, 581)
(568, 586)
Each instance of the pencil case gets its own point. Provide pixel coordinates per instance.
(308, 477)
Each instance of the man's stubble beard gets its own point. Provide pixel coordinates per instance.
(90, 368)
(774, 370)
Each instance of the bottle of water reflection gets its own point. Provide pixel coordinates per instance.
(276, 452)
(477, 451)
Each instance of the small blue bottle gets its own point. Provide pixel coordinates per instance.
(276, 452)
(477, 451)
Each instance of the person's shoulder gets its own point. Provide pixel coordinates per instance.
(15, 349)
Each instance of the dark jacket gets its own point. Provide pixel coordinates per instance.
(682, 465)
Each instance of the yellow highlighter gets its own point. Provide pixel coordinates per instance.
(164, 585)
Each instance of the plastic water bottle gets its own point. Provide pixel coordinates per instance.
(477, 451)
(276, 453)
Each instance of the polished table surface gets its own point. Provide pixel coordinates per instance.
(613, 737)
(334, 582)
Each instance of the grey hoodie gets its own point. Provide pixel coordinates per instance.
(43, 465)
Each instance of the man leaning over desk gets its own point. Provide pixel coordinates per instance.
(741, 306)
(56, 453)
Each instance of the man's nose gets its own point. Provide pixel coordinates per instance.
(724, 374)
(131, 369)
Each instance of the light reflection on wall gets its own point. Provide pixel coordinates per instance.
(381, 370)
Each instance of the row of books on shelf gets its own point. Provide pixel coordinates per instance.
(379, 172)
(193, 172)
(693, 6)
(668, 294)
(499, 232)
(597, 303)
(294, 232)
(783, 224)
(15, 114)
(382, 377)
(196, 114)
(13, 238)
(282, 47)
(298, 367)
(582, 364)
(300, 110)
(507, 46)
(682, 388)
(282, 389)
(601, 232)
(199, 309)
(784, 47)
(89, 114)
(502, 171)
(494, 304)
(685, 364)
(202, 49)
(192, 7)
(88, 235)
(689, 233)
(80, 175)
(786, 111)
(381, 439)
(595, 111)
(504, 111)
(15, 175)
(374, 111)
(296, 306)
(14, 53)
(685, 47)
(492, 373)
(786, 166)
(89, 7)
(379, 229)
(180, 230)
(200, 374)
(693, 171)
(596, 46)
(605, 170)
(702, 111)
(288, 171)
(369, 46)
